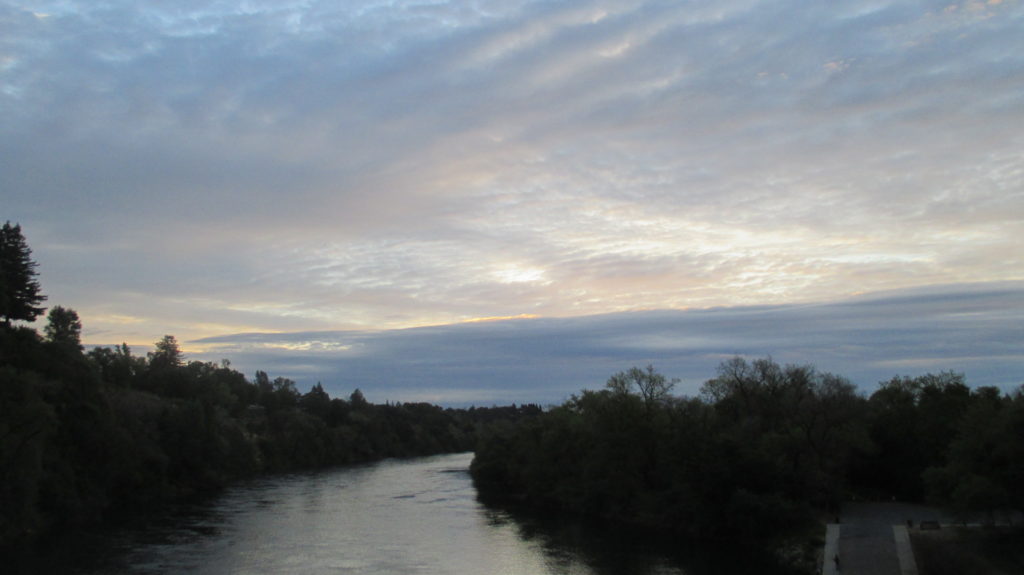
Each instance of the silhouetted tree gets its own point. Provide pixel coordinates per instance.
(64, 327)
(984, 467)
(285, 392)
(912, 422)
(262, 382)
(357, 400)
(652, 386)
(317, 402)
(19, 289)
(117, 366)
(167, 354)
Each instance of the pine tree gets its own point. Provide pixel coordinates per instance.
(19, 289)
(64, 327)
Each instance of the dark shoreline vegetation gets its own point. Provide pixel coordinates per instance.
(765, 455)
(762, 455)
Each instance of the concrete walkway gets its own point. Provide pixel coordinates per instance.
(831, 549)
(872, 539)
(904, 551)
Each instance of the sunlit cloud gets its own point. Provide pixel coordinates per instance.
(500, 318)
(517, 274)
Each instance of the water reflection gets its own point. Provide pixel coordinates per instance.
(419, 516)
(574, 547)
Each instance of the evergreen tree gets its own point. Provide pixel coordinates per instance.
(166, 355)
(19, 289)
(64, 327)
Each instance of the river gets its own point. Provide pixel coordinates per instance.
(418, 516)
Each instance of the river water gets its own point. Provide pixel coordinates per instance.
(418, 516)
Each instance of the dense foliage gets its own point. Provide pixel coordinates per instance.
(761, 453)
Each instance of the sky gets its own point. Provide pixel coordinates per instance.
(508, 201)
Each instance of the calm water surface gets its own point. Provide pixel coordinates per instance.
(416, 516)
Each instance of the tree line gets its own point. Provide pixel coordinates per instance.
(763, 452)
(90, 435)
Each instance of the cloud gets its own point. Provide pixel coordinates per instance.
(213, 168)
(971, 328)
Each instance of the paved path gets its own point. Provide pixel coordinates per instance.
(872, 539)
(831, 548)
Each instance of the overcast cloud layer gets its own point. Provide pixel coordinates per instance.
(967, 329)
(212, 168)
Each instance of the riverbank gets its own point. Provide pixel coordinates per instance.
(794, 553)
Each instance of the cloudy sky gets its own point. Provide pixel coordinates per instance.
(344, 191)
